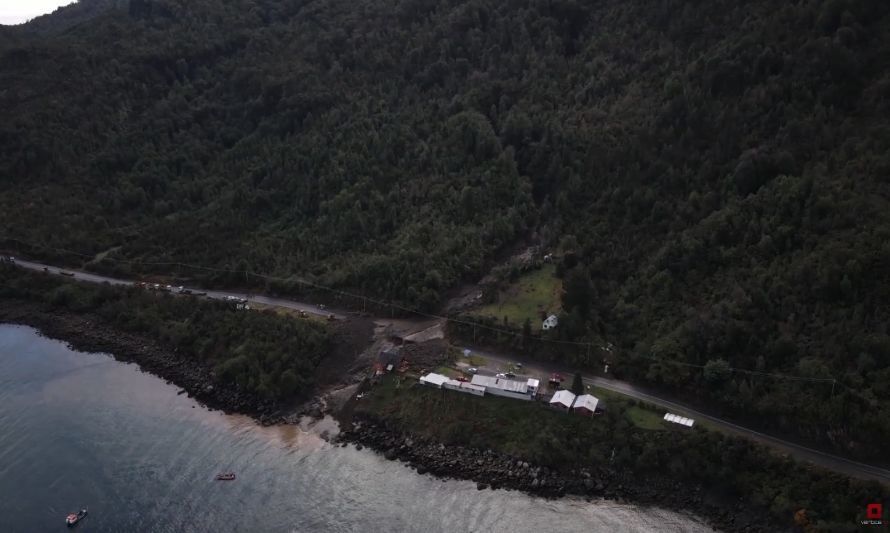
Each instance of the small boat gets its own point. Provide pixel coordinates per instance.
(226, 476)
(74, 518)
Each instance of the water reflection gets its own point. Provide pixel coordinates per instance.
(84, 430)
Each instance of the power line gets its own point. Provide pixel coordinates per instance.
(400, 307)
(743, 371)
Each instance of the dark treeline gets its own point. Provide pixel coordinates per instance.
(718, 169)
(261, 353)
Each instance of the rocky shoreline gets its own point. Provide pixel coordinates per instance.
(90, 334)
(488, 468)
(491, 469)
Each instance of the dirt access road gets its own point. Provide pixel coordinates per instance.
(498, 362)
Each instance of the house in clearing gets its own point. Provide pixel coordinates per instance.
(387, 361)
(585, 405)
(562, 400)
(551, 322)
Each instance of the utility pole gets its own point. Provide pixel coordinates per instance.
(833, 381)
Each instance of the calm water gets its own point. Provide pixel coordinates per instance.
(82, 430)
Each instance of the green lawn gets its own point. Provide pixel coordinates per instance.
(644, 418)
(606, 394)
(475, 360)
(533, 293)
(448, 371)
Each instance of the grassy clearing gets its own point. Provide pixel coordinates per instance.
(448, 371)
(533, 293)
(476, 361)
(645, 419)
(606, 394)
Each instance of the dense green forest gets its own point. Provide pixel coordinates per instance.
(715, 171)
(262, 353)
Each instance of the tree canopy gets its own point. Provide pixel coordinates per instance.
(721, 168)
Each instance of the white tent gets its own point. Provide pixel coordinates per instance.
(586, 401)
(676, 419)
(563, 399)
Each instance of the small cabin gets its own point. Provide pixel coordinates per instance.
(550, 323)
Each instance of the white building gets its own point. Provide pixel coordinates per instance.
(503, 387)
(434, 380)
(444, 382)
(463, 386)
(585, 405)
(563, 399)
(550, 323)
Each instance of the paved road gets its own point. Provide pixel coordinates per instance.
(217, 295)
(496, 362)
(499, 362)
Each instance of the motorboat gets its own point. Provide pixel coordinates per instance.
(74, 518)
(226, 476)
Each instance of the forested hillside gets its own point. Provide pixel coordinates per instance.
(719, 168)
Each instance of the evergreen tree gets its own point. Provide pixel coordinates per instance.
(578, 384)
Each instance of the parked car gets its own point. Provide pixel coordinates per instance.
(472, 370)
(500, 375)
(510, 375)
(518, 365)
(461, 378)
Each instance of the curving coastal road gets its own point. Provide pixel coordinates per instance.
(497, 362)
(216, 295)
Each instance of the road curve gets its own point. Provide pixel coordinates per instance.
(803, 453)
